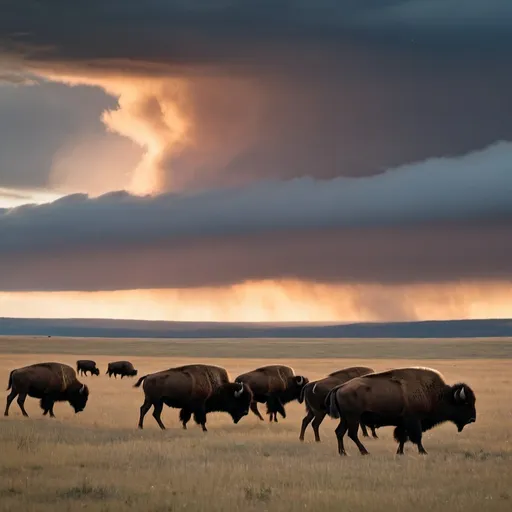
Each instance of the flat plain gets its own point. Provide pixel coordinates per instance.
(98, 460)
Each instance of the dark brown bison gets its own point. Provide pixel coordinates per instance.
(196, 389)
(50, 382)
(85, 365)
(314, 394)
(275, 385)
(123, 368)
(216, 375)
(413, 400)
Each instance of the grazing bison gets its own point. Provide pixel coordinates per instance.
(314, 394)
(85, 365)
(123, 368)
(216, 375)
(275, 385)
(195, 389)
(50, 382)
(413, 400)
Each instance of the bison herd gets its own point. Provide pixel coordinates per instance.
(413, 400)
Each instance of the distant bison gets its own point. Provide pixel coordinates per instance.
(50, 382)
(314, 394)
(196, 389)
(275, 385)
(413, 400)
(123, 368)
(85, 365)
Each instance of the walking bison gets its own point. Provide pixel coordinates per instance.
(50, 382)
(314, 394)
(123, 368)
(413, 400)
(275, 385)
(195, 389)
(85, 365)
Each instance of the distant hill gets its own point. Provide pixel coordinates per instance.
(150, 329)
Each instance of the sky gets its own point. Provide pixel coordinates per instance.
(256, 161)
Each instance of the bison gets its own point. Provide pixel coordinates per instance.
(314, 394)
(85, 365)
(413, 400)
(50, 382)
(123, 368)
(275, 385)
(195, 389)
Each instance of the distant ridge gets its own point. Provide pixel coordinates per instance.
(102, 328)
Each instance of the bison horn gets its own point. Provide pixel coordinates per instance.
(462, 394)
(238, 393)
(300, 380)
(82, 389)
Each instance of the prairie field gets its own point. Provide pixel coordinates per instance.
(99, 461)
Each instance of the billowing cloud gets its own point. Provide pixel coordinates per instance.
(431, 221)
(224, 93)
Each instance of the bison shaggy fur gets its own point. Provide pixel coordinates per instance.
(195, 389)
(50, 382)
(413, 400)
(275, 385)
(123, 368)
(314, 394)
(85, 365)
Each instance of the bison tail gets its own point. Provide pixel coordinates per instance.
(331, 404)
(139, 382)
(9, 385)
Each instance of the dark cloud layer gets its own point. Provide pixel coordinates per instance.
(316, 88)
(438, 220)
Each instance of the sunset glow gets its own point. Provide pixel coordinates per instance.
(281, 301)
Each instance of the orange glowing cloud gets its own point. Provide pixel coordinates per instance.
(148, 113)
(268, 301)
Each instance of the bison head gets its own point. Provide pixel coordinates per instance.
(78, 398)
(462, 401)
(236, 398)
(95, 371)
(132, 373)
(296, 384)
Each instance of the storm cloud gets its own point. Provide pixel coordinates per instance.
(433, 221)
(332, 142)
(278, 90)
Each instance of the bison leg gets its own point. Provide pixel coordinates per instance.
(12, 395)
(340, 432)
(401, 438)
(316, 425)
(364, 430)
(21, 402)
(353, 427)
(185, 416)
(414, 432)
(374, 434)
(200, 416)
(144, 408)
(254, 409)
(305, 422)
(157, 413)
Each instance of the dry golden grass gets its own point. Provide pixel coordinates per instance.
(99, 461)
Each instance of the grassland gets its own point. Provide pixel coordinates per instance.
(99, 461)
